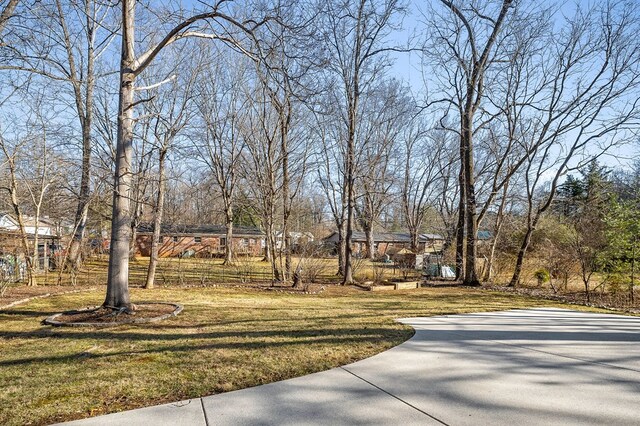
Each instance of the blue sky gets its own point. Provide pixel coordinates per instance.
(407, 67)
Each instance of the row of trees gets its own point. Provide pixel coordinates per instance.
(274, 114)
(596, 222)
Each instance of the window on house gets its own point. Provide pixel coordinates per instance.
(161, 238)
(175, 239)
(252, 241)
(197, 240)
(223, 242)
(244, 242)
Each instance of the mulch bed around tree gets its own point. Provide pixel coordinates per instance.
(104, 317)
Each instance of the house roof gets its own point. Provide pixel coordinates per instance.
(9, 223)
(378, 237)
(386, 237)
(296, 234)
(168, 229)
(427, 237)
(484, 234)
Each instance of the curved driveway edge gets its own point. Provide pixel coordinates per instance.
(536, 366)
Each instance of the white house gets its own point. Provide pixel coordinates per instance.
(9, 223)
(297, 238)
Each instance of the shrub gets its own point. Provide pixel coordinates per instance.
(4, 285)
(406, 267)
(244, 267)
(312, 265)
(542, 275)
(377, 272)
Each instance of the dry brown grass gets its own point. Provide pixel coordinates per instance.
(225, 339)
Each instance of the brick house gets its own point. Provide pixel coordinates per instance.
(200, 240)
(387, 242)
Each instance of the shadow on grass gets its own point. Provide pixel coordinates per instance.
(259, 341)
(128, 336)
(27, 313)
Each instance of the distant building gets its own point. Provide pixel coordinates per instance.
(200, 240)
(389, 243)
(11, 239)
(298, 240)
(484, 235)
(8, 223)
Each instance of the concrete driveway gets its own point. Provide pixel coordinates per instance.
(536, 366)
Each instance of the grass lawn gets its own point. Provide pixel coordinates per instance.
(225, 339)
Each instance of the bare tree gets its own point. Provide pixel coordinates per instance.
(64, 50)
(32, 173)
(10, 156)
(262, 161)
(331, 172)
(37, 176)
(469, 35)
(354, 35)
(284, 73)
(143, 150)
(387, 109)
(426, 170)
(587, 101)
(169, 112)
(221, 104)
(218, 26)
(7, 13)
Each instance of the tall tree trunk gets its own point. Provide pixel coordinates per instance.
(277, 272)
(488, 274)
(228, 248)
(31, 273)
(13, 193)
(267, 251)
(74, 259)
(118, 275)
(350, 182)
(157, 221)
(286, 203)
(470, 274)
(412, 223)
(368, 231)
(342, 244)
(36, 241)
(138, 211)
(633, 270)
(460, 231)
(414, 240)
(413, 234)
(348, 249)
(85, 113)
(134, 237)
(517, 271)
(271, 247)
(475, 72)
